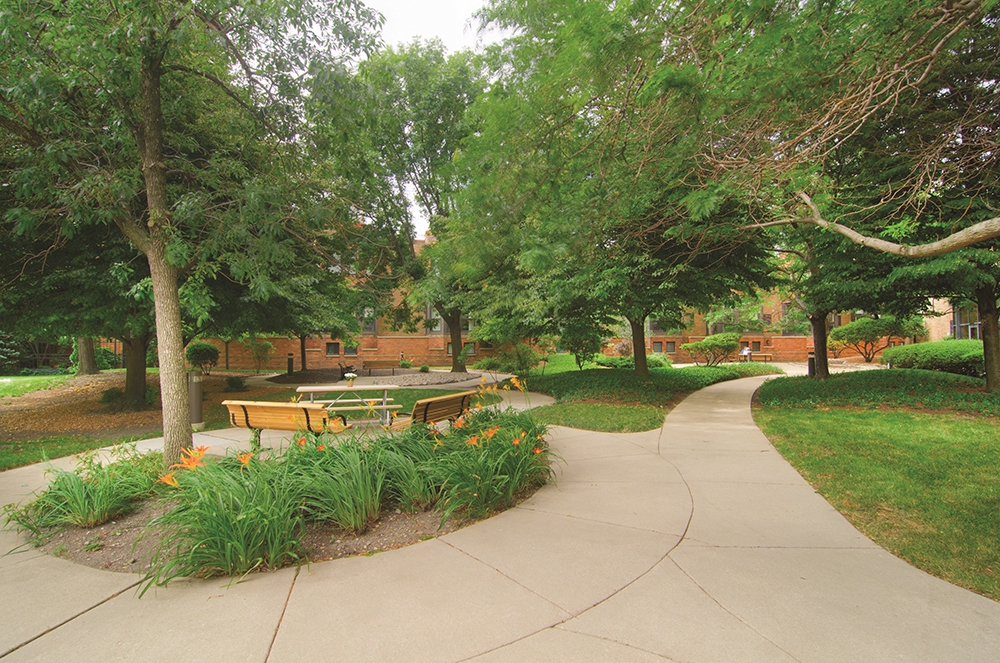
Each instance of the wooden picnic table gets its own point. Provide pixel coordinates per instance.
(348, 398)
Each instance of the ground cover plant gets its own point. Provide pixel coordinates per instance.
(924, 485)
(91, 494)
(619, 400)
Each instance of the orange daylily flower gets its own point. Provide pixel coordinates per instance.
(189, 460)
(516, 441)
(474, 440)
(537, 450)
(169, 479)
(245, 458)
(301, 441)
(321, 447)
(459, 423)
(199, 452)
(491, 432)
(517, 383)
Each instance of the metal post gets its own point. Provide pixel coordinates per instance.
(291, 363)
(811, 363)
(194, 399)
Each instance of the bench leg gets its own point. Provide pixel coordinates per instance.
(255, 440)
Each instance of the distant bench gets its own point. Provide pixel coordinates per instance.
(756, 356)
(369, 364)
(258, 415)
(438, 408)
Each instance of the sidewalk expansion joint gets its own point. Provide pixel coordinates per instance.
(281, 617)
(69, 619)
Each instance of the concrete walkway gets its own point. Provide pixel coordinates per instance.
(696, 542)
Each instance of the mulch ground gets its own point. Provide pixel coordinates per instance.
(75, 408)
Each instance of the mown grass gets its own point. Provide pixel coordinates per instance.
(20, 385)
(27, 452)
(925, 486)
(617, 400)
(885, 388)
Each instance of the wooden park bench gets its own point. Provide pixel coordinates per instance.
(258, 415)
(369, 364)
(760, 356)
(439, 408)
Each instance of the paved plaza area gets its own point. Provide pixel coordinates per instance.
(692, 543)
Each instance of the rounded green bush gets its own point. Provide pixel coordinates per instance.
(203, 355)
(959, 357)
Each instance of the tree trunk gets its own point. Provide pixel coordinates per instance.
(227, 354)
(164, 276)
(986, 300)
(135, 371)
(818, 322)
(639, 345)
(302, 351)
(86, 363)
(453, 318)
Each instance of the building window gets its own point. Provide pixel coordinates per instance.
(965, 324)
(483, 345)
(333, 349)
(755, 346)
(470, 348)
(671, 346)
(657, 346)
(351, 352)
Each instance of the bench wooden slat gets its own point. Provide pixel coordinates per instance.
(439, 408)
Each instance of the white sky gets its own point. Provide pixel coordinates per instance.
(448, 20)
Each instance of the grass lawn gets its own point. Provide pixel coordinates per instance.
(924, 485)
(619, 401)
(16, 454)
(19, 385)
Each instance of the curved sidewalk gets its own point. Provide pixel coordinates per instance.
(695, 542)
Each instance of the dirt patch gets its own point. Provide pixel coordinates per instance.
(126, 545)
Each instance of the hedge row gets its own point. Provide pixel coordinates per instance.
(959, 357)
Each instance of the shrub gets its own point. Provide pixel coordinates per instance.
(869, 336)
(104, 357)
(115, 395)
(261, 352)
(236, 383)
(202, 355)
(715, 349)
(405, 363)
(425, 369)
(10, 354)
(518, 359)
(959, 357)
(615, 362)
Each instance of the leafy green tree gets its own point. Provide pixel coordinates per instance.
(179, 124)
(418, 96)
(869, 336)
(714, 349)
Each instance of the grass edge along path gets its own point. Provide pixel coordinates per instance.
(619, 401)
(12, 386)
(923, 485)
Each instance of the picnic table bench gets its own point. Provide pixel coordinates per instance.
(759, 356)
(258, 415)
(369, 364)
(438, 408)
(349, 400)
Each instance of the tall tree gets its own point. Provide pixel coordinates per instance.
(143, 117)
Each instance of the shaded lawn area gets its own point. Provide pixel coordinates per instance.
(18, 385)
(923, 485)
(619, 401)
(26, 452)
